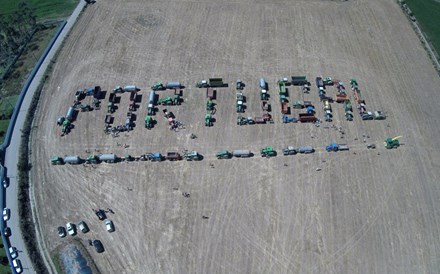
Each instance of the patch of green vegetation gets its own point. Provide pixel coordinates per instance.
(26, 62)
(427, 12)
(44, 9)
(4, 269)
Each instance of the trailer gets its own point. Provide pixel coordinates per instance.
(265, 106)
(72, 160)
(216, 82)
(108, 119)
(70, 114)
(173, 85)
(242, 153)
(285, 109)
(211, 93)
(263, 84)
(306, 117)
(258, 120)
(154, 157)
(299, 80)
(173, 156)
(306, 149)
(341, 98)
(108, 158)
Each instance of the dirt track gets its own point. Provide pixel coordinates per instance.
(366, 211)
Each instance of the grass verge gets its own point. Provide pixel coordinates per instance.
(427, 13)
(44, 9)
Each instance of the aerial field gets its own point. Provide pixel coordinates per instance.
(362, 211)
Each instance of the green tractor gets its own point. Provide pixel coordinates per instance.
(202, 84)
(241, 121)
(209, 105)
(177, 100)
(149, 122)
(208, 120)
(157, 86)
(110, 107)
(268, 152)
(392, 142)
(56, 160)
(66, 127)
(92, 159)
(223, 154)
(85, 108)
(128, 157)
(167, 101)
(354, 83)
(192, 156)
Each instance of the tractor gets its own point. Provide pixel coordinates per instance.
(240, 106)
(128, 157)
(289, 151)
(223, 154)
(167, 101)
(92, 159)
(392, 142)
(242, 120)
(149, 122)
(177, 100)
(56, 160)
(192, 156)
(85, 108)
(328, 81)
(264, 96)
(349, 115)
(208, 120)
(110, 107)
(202, 84)
(268, 152)
(239, 85)
(157, 86)
(210, 105)
(66, 127)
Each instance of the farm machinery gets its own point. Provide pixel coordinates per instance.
(149, 122)
(239, 85)
(223, 154)
(92, 159)
(392, 142)
(56, 160)
(210, 105)
(268, 152)
(192, 156)
(289, 151)
(240, 102)
(336, 147)
(209, 120)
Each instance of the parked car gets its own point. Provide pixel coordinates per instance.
(7, 232)
(5, 182)
(101, 214)
(71, 229)
(17, 265)
(98, 246)
(61, 231)
(13, 251)
(109, 226)
(6, 214)
(83, 227)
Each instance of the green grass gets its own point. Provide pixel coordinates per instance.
(427, 13)
(44, 9)
(26, 62)
(4, 269)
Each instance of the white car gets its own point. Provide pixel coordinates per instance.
(17, 265)
(109, 226)
(13, 252)
(71, 229)
(6, 214)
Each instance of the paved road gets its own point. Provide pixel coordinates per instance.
(11, 155)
